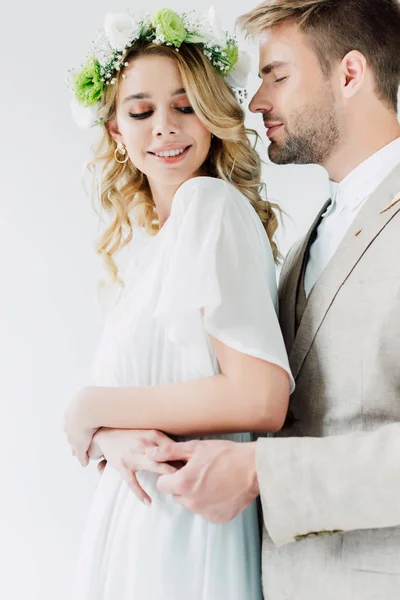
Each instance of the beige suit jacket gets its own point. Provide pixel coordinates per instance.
(330, 481)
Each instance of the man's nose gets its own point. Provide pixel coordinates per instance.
(259, 102)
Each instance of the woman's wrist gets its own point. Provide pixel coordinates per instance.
(96, 447)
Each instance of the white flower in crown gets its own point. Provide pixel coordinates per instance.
(206, 29)
(84, 116)
(214, 31)
(102, 49)
(237, 77)
(121, 29)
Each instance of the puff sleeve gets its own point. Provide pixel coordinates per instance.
(220, 260)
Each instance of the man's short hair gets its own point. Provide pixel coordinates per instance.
(335, 27)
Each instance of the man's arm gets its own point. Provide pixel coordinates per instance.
(218, 481)
(308, 485)
(324, 485)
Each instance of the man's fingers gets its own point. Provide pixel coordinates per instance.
(172, 451)
(171, 484)
(146, 464)
(183, 501)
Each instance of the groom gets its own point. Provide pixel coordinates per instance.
(330, 480)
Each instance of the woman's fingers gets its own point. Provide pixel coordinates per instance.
(80, 444)
(160, 438)
(130, 478)
(82, 457)
(143, 463)
(101, 466)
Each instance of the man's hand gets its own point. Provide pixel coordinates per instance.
(218, 481)
(125, 450)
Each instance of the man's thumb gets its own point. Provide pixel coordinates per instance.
(171, 452)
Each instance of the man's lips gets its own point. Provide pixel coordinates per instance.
(272, 127)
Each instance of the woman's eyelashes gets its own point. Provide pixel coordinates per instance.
(280, 79)
(142, 115)
(186, 110)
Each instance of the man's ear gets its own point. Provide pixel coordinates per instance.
(114, 131)
(354, 68)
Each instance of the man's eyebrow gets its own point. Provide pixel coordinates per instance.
(143, 96)
(271, 67)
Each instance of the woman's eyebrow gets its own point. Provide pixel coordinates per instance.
(145, 96)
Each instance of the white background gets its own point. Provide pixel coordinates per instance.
(49, 321)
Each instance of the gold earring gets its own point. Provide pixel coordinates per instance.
(120, 149)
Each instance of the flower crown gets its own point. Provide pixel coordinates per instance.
(122, 30)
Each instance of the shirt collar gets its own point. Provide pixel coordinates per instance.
(364, 179)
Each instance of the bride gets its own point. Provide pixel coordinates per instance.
(193, 346)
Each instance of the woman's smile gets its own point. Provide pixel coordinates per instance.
(170, 153)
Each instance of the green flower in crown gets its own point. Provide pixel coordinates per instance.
(232, 56)
(88, 84)
(169, 27)
(122, 30)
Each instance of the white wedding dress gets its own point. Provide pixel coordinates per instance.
(212, 253)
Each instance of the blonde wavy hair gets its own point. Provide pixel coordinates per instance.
(124, 191)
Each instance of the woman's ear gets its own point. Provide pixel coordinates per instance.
(114, 131)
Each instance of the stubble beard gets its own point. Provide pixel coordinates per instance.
(316, 133)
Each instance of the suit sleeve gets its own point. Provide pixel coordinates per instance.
(332, 484)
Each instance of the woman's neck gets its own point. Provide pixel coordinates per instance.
(163, 196)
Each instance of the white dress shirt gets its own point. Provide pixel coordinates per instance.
(347, 197)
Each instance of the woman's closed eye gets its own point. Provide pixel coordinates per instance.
(142, 115)
(186, 110)
(280, 79)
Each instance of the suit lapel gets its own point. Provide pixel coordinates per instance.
(370, 221)
(289, 282)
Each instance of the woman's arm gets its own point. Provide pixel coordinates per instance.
(250, 394)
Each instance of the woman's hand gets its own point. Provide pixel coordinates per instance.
(125, 450)
(77, 428)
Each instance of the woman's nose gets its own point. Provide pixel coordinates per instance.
(165, 125)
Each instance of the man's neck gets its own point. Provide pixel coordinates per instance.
(357, 148)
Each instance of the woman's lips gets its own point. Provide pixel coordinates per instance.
(170, 160)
